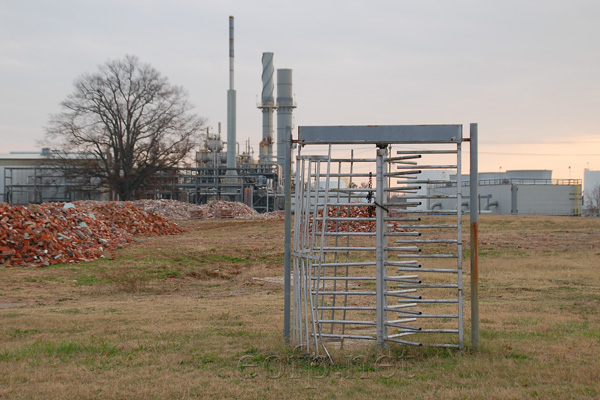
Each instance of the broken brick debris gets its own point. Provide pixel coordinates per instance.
(367, 211)
(170, 209)
(178, 210)
(225, 209)
(51, 233)
(134, 220)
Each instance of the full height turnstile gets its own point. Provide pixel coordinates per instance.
(371, 260)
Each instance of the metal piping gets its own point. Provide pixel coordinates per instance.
(268, 106)
(487, 206)
(231, 108)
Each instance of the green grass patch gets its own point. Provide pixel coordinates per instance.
(89, 280)
(9, 315)
(63, 349)
(15, 333)
(201, 360)
(56, 279)
(218, 258)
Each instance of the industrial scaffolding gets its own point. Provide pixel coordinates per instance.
(42, 184)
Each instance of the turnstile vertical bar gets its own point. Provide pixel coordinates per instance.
(347, 271)
(474, 233)
(459, 242)
(287, 235)
(296, 271)
(308, 264)
(322, 270)
(380, 246)
(314, 284)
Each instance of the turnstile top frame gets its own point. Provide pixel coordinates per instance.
(389, 134)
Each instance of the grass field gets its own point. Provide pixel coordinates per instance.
(200, 315)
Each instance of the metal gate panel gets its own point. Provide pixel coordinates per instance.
(423, 285)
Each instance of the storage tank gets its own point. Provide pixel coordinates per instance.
(591, 180)
(529, 174)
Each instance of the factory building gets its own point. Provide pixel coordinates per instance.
(222, 171)
(30, 177)
(520, 192)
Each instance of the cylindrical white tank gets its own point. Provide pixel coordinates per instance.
(205, 157)
(591, 181)
(530, 174)
(214, 144)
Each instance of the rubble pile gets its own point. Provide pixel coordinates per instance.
(178, 210)
(170, 209)
(52, 233)
(354, 226)
(225, 209)
(132, 219)
(270, 215)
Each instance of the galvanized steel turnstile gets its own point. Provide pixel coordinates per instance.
(371, 261)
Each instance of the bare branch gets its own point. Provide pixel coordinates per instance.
(130, 120)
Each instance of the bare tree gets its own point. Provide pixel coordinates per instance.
(127, 123)
(592, 203)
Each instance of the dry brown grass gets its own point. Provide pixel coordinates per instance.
(172, 317)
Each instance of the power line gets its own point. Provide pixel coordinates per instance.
(540, 143)
(540, 154)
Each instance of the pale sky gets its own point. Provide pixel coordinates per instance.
(528, 72)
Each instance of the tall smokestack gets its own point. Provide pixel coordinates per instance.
(267, 105)
(285, 106)
(231, 140)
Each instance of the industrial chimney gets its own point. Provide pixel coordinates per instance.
(267, 106)
(231, 136)
(285, 106)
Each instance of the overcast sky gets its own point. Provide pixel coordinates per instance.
(527, 71)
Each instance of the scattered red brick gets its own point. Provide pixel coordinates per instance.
(354, 226)
(132, 219)
(52, 233)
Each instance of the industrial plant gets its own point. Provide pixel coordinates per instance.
(221, 170)
(224, 171)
